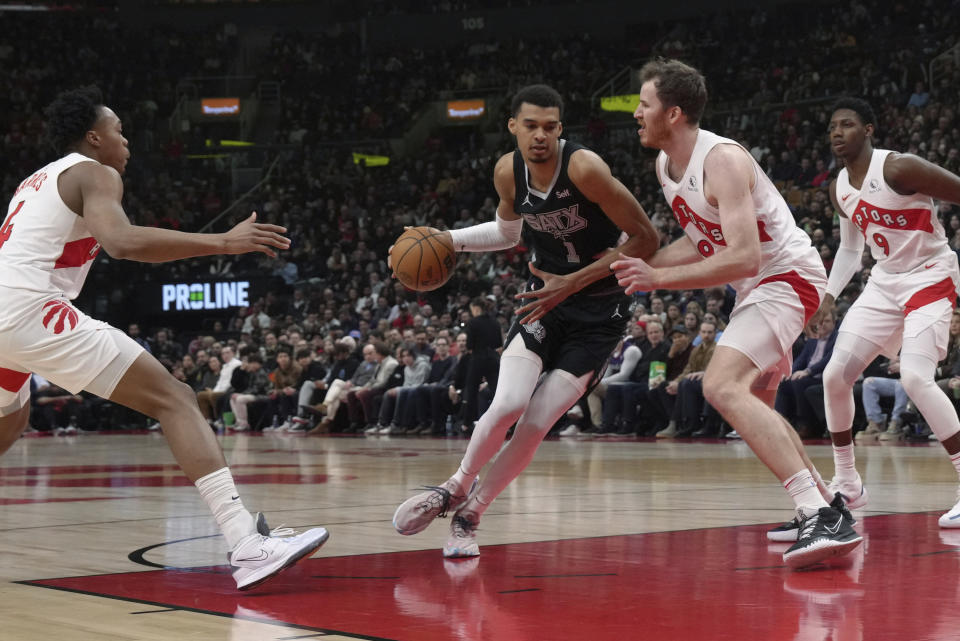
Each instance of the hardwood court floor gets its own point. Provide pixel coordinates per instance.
(104, 539)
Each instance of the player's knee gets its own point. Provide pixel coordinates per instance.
(722, 393)
(833, 375)
(913, 383)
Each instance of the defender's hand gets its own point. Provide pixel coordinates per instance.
(634, 275)
(251, 236)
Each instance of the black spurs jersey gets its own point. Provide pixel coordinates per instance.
(564, 229)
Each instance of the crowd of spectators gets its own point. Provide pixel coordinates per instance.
(771, 88)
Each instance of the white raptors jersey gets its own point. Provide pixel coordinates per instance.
(783, 245)
(44, 246)
(901, 231)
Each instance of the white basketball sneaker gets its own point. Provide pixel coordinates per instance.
(260, 557)
(417, 512)
(853, 492)
(952, 518)
(462, 541)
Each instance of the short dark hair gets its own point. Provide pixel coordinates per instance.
(480, 302)
(539, 95)
(255, 357)
(678, 85)
(382, 348)
(857, 105)
(71, 115)
(304, 353)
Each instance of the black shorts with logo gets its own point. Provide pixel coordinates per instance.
(578, 335)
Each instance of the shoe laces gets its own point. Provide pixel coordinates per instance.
(807, 523)
(462, 527)
(439, 499)
(281, 531)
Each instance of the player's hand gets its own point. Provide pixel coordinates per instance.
(251, 236)
(825, 309)
(634, 274)
(556, 289)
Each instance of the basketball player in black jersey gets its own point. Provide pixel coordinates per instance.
(575, 212)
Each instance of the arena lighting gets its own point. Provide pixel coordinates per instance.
(627, 102)
(466, 109)
(220, 106)
(187, 297)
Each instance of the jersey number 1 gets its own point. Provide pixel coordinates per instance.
(572, 256)
(7, 228)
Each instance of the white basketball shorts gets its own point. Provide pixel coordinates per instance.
(47, 335)
(897, 306)
(765, 323)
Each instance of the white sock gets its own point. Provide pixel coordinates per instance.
(955, 459)
(803, 490)
(821, 485)
(218, 490)
(844, 463)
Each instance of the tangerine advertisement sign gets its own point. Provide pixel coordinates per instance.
(466, 109)
(220, 106)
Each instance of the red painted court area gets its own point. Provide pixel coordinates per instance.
(697, 585)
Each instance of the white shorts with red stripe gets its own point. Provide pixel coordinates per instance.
(765, 323)
(47, 335)
(894, 306)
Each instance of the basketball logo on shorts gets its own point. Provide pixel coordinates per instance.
(537, 330)
(58, 315)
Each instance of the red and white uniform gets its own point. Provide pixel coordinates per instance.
(914, 282)
(46, 252)
(773, 306)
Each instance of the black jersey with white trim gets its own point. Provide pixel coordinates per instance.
(565, 230)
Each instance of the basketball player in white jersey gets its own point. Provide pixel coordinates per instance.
(886, 201)
(56, 223)
(575, 212)
(738, 231)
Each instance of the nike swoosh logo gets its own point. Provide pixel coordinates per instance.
(262, 557)
(929, 266)
(836, 527)
(844, 198)
(955, 516)
(234, 498)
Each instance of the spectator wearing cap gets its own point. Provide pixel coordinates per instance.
(688, 408)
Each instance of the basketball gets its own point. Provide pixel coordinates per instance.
(422, 259)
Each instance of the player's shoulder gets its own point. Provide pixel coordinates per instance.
(585, 164)
(93, 174)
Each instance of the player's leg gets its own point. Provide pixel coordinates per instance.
(144, 385)
(519, 371)
(924, 342)
(556, 394)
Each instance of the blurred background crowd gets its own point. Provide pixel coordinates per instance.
(342, 149)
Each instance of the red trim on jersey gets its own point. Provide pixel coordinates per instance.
(944, 289)
(714, 232)
(78, 252)
(865, 214)
(807, 293)
(12, 380)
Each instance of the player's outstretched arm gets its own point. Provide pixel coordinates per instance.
(592, 177)
(728, 172)
(101, 189)
(911, 174)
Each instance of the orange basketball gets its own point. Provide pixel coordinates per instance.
(422, 259)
